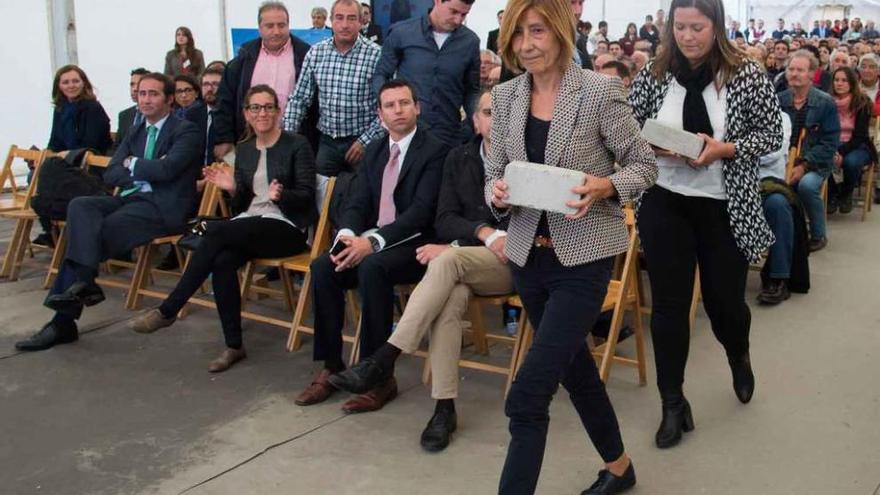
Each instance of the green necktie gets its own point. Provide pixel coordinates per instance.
(148, 155)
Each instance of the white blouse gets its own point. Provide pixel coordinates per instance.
(675, 174)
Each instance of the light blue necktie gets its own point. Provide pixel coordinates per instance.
(148, 155)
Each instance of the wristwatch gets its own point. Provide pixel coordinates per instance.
(374, 243)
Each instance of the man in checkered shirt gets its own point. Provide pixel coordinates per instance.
(340, 70)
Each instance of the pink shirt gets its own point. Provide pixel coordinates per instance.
(276, 70)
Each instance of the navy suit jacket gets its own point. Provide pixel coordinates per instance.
(172, 172)
(415, 197)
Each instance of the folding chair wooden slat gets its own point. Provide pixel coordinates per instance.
(19, 210)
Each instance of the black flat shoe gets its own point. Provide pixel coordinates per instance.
(743, 378)
(360, 378)
(78, 294)
(50, 335)
(438, 432)
(608, 484)
(677, 418)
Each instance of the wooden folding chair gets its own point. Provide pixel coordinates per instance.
(210, 203)
(59, 227)
(623, 296)
(301, 264)
(18, 195)
(867, 186)
(18, 208)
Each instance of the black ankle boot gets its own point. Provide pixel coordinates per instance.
(743, 378)
(676, 419)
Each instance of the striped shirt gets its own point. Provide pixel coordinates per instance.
(346, 99)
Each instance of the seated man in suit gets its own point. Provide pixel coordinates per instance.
(155, 169)
(396, 190)
(130, 117)
(471, 260)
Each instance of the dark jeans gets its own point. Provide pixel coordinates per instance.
(563, 304)
(375, 279)
(330, 159)
(778, 212)
(852, 166)
(677, 232)
(226, 247)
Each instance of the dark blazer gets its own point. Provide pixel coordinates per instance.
(373, 33)
(172, 173)
(198, 115)
(123, 124)
(292, 163)
(492, 42)
(92, 128)
(461, 208)
(229, 124)
(415, 196)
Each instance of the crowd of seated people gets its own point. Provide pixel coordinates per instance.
(411, 147)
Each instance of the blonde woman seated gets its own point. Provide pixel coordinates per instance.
(273, 188)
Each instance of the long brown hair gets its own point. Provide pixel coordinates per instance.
(724, 58)
(190, 47)
(859, 100)
(254, 90)
(88, 93)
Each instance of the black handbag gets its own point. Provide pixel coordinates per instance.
(195, 231)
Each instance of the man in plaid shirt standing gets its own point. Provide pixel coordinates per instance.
(340, 69)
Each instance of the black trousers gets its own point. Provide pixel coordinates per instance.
(225, 248)
(563, 304)
(102, 227)
(375, 279)
(677, 232)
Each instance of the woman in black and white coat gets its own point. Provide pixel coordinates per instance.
(707, 211)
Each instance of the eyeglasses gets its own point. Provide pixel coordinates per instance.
(211, 84)
(255, 109)
(183, 91)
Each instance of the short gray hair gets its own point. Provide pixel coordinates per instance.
(870, 56)
(271, 5)
(347, 2)
(319, 11)
(495, 58)
(806, 54)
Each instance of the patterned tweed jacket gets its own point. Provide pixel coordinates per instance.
(591, 129)
(754, 125)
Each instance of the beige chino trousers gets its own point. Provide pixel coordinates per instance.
(438, 304)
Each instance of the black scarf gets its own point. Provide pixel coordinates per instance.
(694, 114)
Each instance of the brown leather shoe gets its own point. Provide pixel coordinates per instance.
(150, 321)
(318, 391)
(226, 360)
(374, 399)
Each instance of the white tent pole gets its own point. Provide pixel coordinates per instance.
(224, 38)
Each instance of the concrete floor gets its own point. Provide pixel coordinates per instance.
(119, 412)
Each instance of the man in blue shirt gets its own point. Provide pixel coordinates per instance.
(441, 58)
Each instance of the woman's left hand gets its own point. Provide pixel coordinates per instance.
(593, 189)
(275, 190)
(713, 150)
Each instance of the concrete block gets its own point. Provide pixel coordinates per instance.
(684, 143)
(542, 187)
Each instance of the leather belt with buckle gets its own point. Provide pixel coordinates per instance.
(543, 242)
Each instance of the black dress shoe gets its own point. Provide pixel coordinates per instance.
(774, 292)
(50, 335)
(78, 294)
(170, 262)
(360, 378)
(846, 203)
(44, 240)
(608, 484)
(743, 378)
(437, 433)
(676, 419)
(818, 244)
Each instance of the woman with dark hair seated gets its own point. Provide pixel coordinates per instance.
(856, 149)
(78, 121)
(187, 95)
(273, 188)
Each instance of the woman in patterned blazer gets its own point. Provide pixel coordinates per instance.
(705, 211)
(562, 116)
